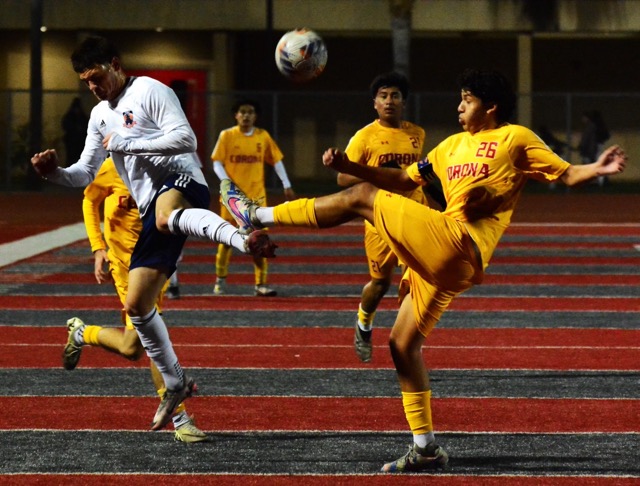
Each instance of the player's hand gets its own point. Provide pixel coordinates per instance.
(289, 195)
(100, 263)
(335, 159)
(44, 163)
(612, 161)
(105, 141)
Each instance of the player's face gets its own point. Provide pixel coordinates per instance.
(246, 117)
(389, 104)
(104, 80)
(473, 115)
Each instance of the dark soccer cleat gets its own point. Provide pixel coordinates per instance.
(362, 343)
(419, 459)
(72, 351)
(264, 291)
(170, 400)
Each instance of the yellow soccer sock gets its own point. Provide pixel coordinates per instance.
(260, 271)
(90, 335)
(223, 257)
(417, 409)
(365, 319)
(300, 212)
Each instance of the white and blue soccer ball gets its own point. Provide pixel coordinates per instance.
(301, 55)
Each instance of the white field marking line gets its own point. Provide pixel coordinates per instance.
(295, 346)
(302, 475)
(316, 431)
(34, 245)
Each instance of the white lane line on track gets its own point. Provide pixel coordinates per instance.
(33, 245)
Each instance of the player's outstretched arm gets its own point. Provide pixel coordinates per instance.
(382, 177)
(611, 161)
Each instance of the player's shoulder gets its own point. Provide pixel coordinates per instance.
(518, 132)
(408, 126)
(374, 126)
(261, 132)
(145, 80)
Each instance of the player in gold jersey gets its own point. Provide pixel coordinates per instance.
(387, 141)
(112, 255)
(483, 170)
(240, 154)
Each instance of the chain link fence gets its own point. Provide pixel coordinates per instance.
(306, 123)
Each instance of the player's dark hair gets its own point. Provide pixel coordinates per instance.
(245, 101)
(93, 51)
(386, 80)
(492, 88)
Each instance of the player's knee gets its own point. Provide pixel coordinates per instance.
(162, 222)
(362, 194)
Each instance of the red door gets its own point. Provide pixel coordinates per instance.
(191, 88)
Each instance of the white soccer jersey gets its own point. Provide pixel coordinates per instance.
(151, 139)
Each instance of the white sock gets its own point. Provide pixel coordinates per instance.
(155, 339)
(265, 216)
(205, 224)
(180, 419)
(421, 440)
(173, 280)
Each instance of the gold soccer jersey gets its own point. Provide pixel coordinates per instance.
(376, 145)
(243, 157)
(122, 223)
(486, 172)
(482, 176)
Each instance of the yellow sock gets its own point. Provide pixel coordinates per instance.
(417, 409)
(260, 272)
(223, 257)
(179, 409)
(300, 212)
(365, 318)
(90, 335)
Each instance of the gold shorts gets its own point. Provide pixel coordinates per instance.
(381, 260)
(438, 250)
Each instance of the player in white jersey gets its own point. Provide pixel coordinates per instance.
(140, 124)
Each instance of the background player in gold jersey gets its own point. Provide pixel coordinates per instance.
(240, 154)
(483, 170)
(387, 141)
(112, 255)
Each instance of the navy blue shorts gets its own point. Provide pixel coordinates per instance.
(162, 251)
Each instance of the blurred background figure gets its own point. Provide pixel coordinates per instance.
(594, 135)
(74, 125)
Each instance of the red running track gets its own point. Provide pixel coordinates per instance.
(315, 303)
(225, 413)
(270, 347)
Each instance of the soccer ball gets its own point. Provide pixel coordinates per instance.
(301, 55)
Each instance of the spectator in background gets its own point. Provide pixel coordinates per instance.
(555, 144)
(74, 125)
(594, 134)
(558, 146)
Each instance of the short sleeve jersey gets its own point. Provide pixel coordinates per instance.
(243, 157)
(375, 145)
(498, 161)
